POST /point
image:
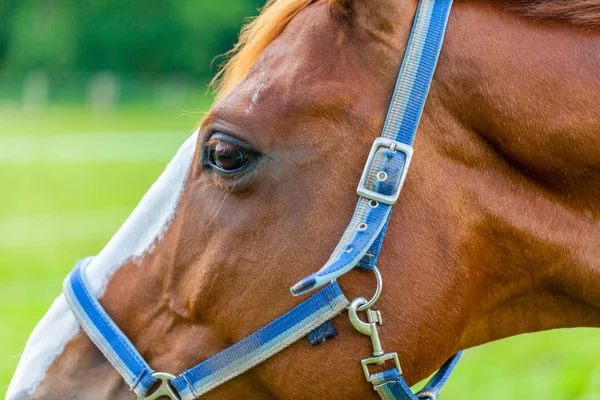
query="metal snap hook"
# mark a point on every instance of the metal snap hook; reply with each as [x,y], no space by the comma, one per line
[369,328]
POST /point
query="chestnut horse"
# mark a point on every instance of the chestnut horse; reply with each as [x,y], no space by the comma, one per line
[497,231]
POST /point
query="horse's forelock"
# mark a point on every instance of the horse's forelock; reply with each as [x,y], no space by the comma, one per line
[254,39]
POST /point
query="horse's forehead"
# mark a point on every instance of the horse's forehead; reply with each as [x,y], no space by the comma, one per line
[300,62]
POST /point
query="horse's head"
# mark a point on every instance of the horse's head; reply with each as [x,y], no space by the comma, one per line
[259,196]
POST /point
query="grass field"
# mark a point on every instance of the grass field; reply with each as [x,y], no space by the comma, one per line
[56,208]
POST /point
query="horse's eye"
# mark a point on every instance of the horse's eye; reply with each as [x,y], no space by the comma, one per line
[226,156]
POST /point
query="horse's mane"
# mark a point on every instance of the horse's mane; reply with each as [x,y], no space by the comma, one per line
[276,14]
[579,12]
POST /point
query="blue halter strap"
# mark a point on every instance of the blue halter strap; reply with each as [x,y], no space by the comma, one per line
[305,318]
[379,188]
[389,159]
[222,367]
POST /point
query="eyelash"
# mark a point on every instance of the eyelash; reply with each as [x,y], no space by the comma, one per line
[226,155]
[212,143]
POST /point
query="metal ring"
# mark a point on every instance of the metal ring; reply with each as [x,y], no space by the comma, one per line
[370,303]
[377,294]
[165,389]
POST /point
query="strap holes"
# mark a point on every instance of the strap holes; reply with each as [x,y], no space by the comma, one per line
[373,204]
[349,249]
[362,227]
[382,176]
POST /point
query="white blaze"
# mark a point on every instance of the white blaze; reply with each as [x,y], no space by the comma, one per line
[255,96]
[144,227]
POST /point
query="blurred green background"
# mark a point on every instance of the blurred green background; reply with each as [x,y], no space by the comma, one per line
[95,98]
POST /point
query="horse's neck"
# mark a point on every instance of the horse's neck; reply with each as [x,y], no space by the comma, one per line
[528,210]
[530,254]
[529,92]
[537,257]
[518,136]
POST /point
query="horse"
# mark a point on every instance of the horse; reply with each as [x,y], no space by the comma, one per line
[495,234]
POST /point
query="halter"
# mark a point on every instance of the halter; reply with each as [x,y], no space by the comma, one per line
[378,190]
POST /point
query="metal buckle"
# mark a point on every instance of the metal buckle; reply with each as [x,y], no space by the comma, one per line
[379,361]
[165,389]
[427,395]
[393,145]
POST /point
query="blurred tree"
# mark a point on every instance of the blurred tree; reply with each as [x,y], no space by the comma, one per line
[6,13]
[41,36]
[153,37]
[210,30]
